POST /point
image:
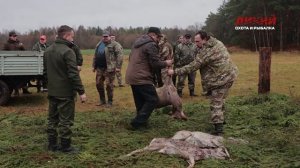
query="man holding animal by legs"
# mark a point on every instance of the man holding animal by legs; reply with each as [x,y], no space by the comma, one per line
[217,74]
[143,59]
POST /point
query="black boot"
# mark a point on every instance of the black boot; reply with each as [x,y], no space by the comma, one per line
[192,93]
[66,146]
[52,144]
[179,93]
[109,104]
[102,98]
[218,129]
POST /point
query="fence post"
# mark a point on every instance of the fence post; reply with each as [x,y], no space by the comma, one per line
[264,69]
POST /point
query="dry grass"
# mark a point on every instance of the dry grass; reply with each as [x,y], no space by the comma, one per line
[284,79]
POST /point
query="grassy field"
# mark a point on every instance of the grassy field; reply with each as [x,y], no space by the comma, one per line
[270,123]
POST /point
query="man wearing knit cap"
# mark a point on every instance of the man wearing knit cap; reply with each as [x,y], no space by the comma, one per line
[143,59]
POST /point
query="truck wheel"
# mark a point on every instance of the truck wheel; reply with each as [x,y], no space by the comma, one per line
[4,93]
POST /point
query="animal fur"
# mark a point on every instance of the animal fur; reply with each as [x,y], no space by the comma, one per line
[191,146]
[168,95]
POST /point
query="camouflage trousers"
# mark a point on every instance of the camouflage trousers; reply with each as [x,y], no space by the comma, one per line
[119,77]
[217,102]
[191,81]
[60,116]
[108,77]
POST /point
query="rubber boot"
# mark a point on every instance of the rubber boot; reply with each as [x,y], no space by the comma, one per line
[66,146]
[102,98]
[109,102]
[52,144]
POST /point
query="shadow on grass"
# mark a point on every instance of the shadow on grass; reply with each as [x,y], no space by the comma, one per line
[33,99]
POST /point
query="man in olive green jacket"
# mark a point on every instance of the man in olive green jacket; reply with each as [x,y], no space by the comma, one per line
[60,68]
[107,61]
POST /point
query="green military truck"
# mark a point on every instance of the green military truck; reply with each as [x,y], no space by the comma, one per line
[18,68]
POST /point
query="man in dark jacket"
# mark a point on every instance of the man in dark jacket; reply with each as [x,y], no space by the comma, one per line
[13,44]
[63,82]
[143,59]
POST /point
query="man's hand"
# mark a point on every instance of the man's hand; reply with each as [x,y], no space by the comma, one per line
[83,98]
[118,70]
[79,68]
[169,62]
[94,70]
[170,72]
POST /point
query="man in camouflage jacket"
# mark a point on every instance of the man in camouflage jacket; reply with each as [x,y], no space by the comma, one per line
[185,53]
[217,74]
[118,73]
[41,45]
[175,46]
[165,53]
[107,61]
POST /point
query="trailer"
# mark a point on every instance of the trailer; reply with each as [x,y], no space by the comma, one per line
[18,69]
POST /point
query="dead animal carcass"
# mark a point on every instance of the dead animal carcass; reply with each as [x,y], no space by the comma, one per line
[168,95]
[191,146]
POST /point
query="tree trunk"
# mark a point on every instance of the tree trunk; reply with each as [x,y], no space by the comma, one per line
[264,69]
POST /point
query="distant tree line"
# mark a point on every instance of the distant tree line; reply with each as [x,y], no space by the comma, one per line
[88,37]
[287,29]
[221,24]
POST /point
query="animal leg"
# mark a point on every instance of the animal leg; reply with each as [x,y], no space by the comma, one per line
[137,151]
[191,162]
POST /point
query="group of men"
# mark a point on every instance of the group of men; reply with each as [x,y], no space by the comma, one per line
[206,54]
[151,56]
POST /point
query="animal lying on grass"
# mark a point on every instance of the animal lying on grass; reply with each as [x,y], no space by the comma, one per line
[191,146]
[168,95]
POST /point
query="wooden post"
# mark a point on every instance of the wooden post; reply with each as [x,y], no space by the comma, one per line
[264,69]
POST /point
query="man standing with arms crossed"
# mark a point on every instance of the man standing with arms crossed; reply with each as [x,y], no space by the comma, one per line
[63,78]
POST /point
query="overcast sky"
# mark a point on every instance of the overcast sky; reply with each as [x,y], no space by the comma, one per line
[24,15]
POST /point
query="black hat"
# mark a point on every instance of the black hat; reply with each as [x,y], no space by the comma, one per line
[12,33]
[187,36]
[154,30]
